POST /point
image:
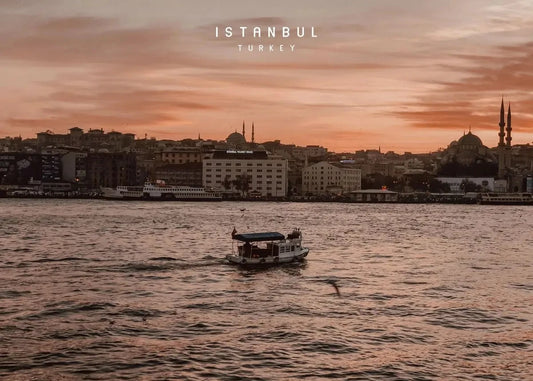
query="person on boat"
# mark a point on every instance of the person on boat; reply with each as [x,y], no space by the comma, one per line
[247,249]
[233,232]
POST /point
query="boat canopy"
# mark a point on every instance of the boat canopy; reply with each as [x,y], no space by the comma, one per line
[256,237]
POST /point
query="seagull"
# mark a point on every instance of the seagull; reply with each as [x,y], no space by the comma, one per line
[335,286]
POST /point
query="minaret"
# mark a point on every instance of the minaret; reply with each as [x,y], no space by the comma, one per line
[508,138]
[502,125]
[244,136]
[501,144]
[252,132]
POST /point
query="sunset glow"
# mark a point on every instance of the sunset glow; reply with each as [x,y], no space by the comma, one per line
[405,76]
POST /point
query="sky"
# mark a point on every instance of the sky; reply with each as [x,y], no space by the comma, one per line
[409,75]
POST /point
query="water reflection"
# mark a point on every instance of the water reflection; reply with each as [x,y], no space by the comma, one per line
[94,289]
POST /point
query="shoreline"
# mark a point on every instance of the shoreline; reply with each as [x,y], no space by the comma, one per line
[408,198]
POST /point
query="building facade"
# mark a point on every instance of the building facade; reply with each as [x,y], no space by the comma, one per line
[247,172]
[181,155]
[330,178]
[111,170]
[189,174]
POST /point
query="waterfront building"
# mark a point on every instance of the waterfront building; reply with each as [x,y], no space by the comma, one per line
[373,195]
[19,168]
[330,178]
[106,169]
[74,167]
[189,174]
[246,172]
[457,183]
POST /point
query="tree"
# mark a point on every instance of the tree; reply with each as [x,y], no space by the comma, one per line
[227,183]
[469,186]
[242,183]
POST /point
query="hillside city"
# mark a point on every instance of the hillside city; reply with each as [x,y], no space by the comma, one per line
[80,162]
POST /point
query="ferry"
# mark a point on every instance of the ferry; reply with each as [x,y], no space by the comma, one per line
[160,191]
[267,248]
[506,199]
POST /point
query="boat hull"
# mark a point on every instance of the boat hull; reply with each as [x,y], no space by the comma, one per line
[128,195]
[268,260]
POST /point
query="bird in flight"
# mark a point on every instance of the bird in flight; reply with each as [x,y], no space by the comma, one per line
[335,286]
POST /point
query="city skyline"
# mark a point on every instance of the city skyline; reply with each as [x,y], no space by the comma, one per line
[403,77]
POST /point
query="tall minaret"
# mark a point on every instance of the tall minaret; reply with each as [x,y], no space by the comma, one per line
[252,132]
[508,138]
[501,144]
[244,136]
[502,125]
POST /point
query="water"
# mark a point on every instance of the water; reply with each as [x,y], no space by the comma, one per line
[139,290]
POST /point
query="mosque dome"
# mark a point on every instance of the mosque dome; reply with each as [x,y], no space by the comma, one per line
[470,140]
[236,139]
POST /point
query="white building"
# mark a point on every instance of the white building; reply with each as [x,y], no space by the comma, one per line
[324,177]
[265,175]
[486,183]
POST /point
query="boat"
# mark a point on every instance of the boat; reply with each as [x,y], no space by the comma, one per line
[267,248]
[506,199]
[160,191]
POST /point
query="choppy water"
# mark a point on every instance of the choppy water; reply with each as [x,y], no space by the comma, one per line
[132,290]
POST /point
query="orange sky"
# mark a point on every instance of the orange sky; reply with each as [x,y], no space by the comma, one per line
[406,76]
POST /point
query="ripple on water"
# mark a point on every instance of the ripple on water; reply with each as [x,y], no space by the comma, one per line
[103,290]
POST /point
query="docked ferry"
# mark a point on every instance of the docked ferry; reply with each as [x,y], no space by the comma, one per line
[268,248]
[506,199]
[160,191]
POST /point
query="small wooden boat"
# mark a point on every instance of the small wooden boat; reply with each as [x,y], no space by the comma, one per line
[267,248]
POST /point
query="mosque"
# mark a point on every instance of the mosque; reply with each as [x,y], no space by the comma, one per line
[238,141]
[468,155]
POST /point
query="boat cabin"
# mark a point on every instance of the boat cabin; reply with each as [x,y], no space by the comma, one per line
[262,245]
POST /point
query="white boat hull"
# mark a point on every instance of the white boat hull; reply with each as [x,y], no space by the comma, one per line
[165,193]
[268,260]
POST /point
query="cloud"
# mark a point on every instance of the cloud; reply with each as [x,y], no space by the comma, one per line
[474,99]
